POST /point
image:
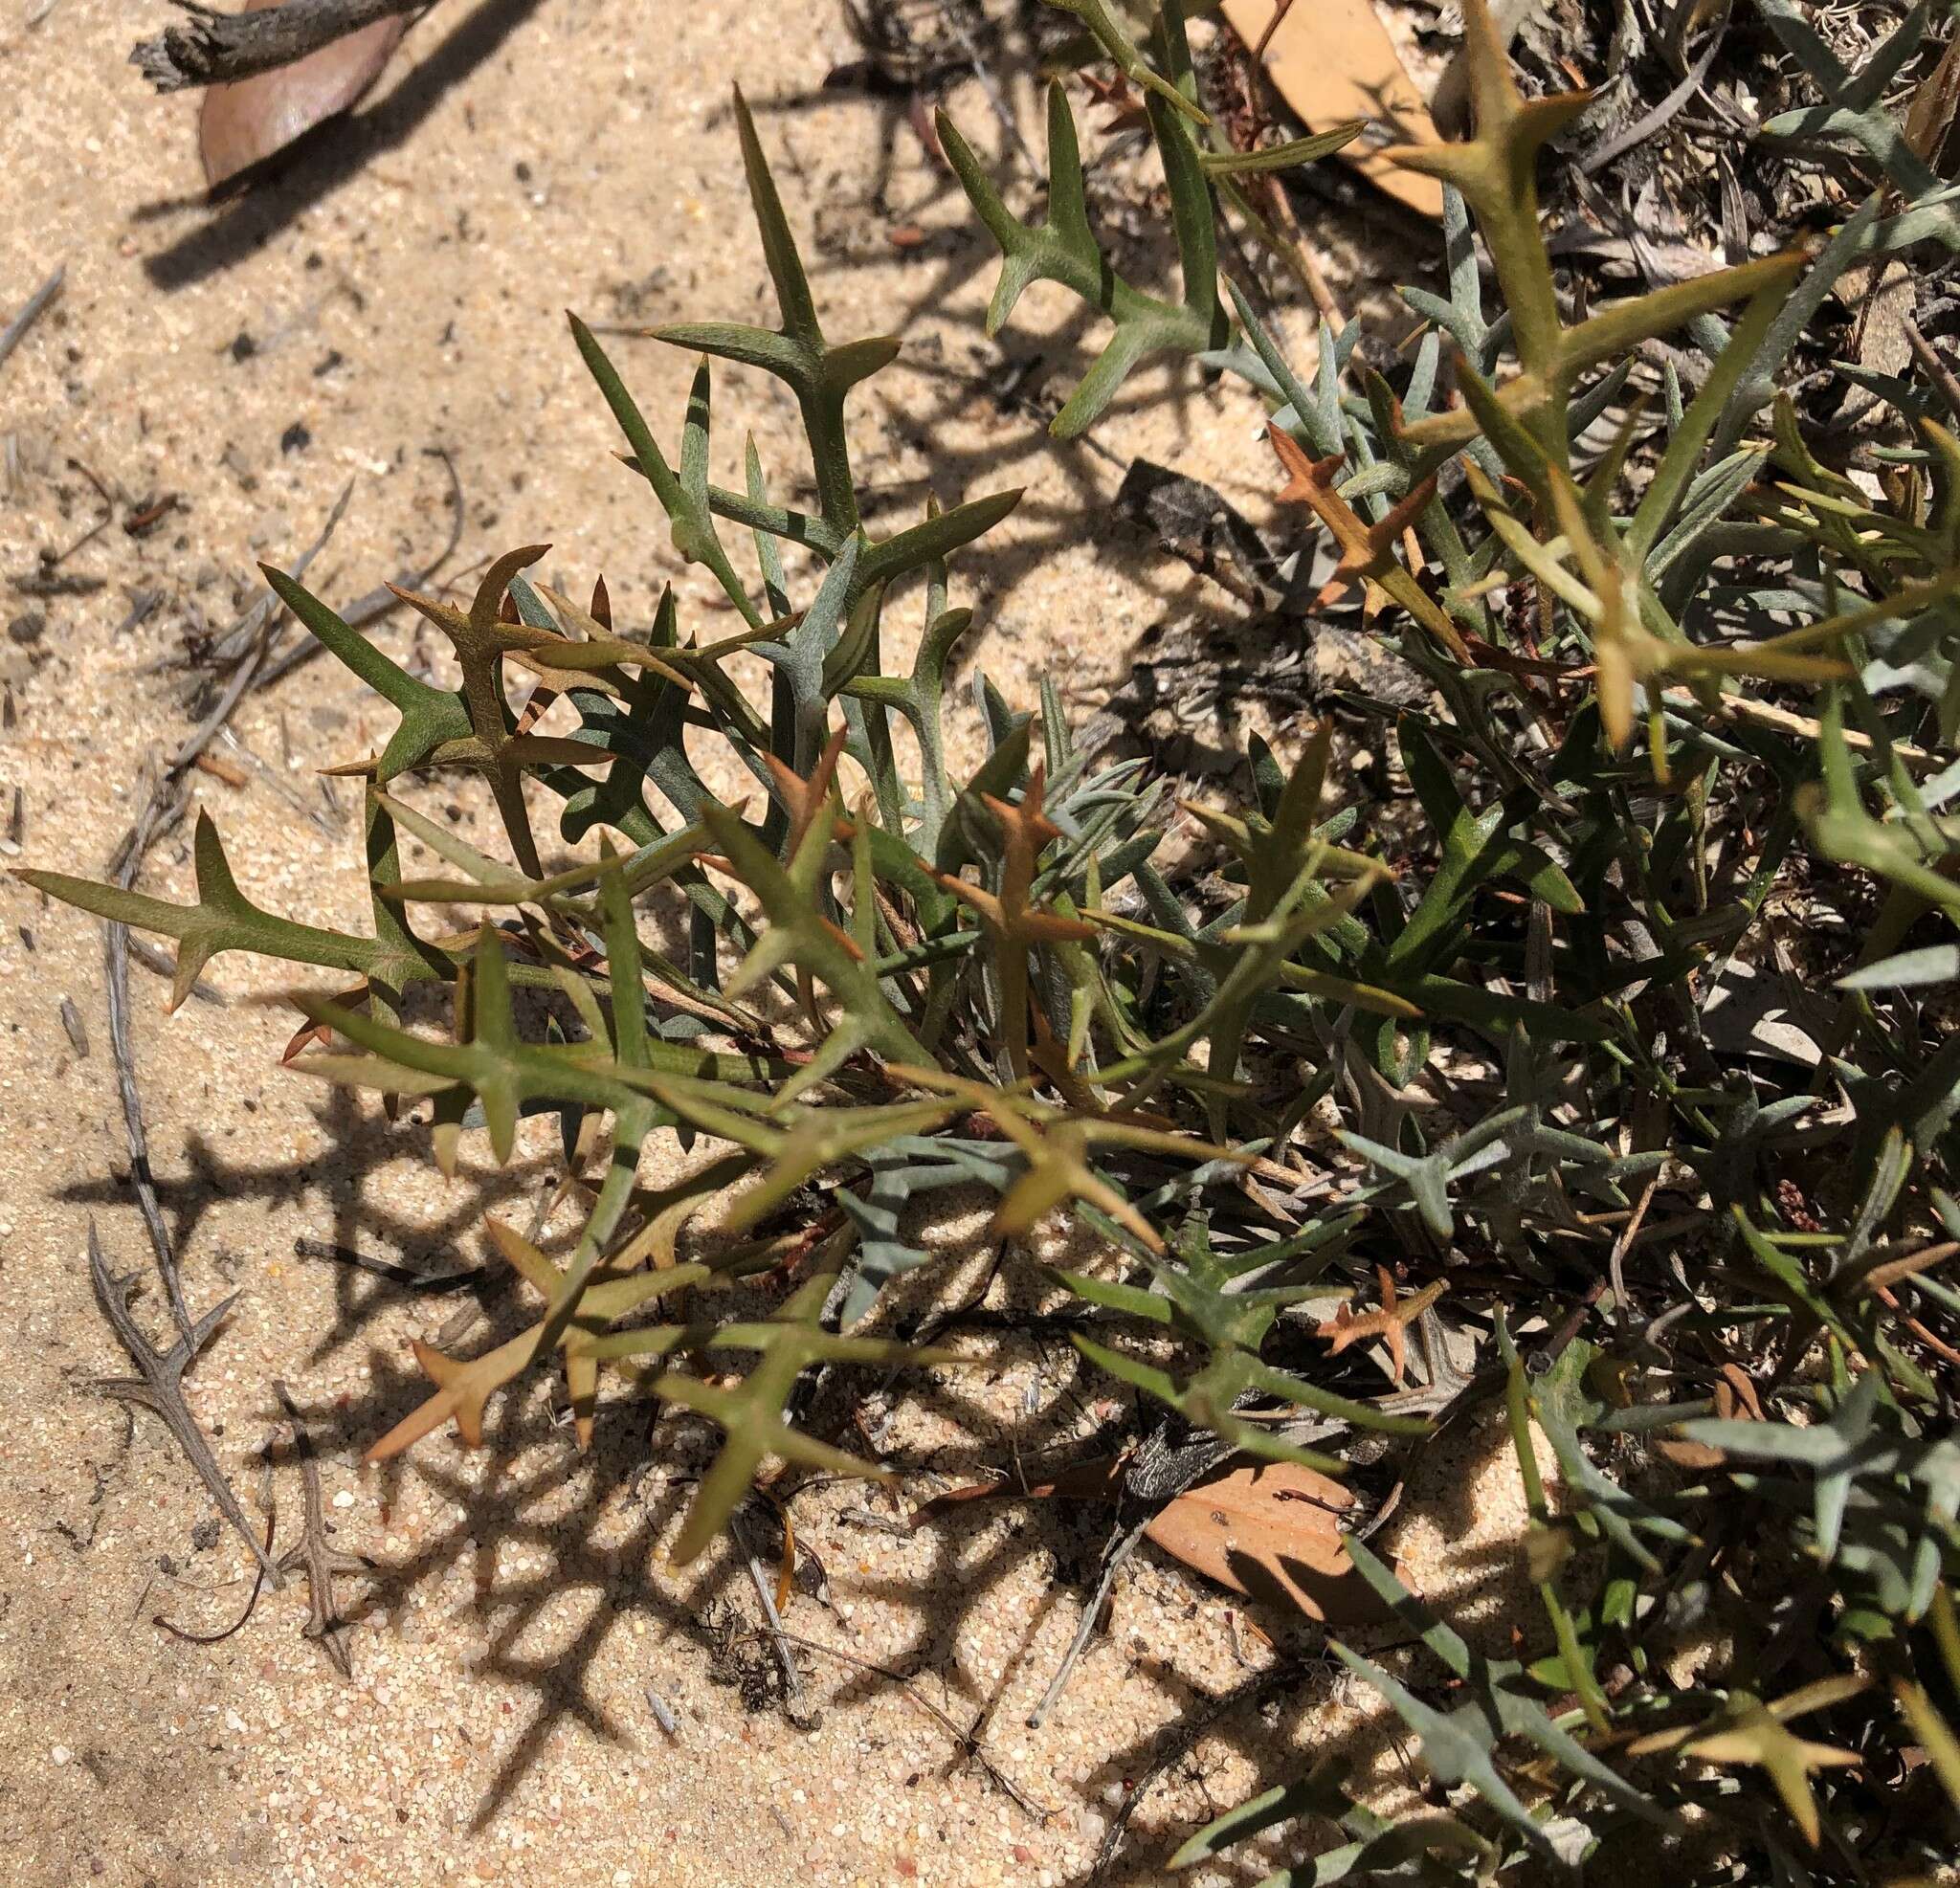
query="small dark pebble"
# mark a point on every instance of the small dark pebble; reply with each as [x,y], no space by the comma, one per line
[28,628]
[295,438]
[204,1537]
[333,359]
[243,347]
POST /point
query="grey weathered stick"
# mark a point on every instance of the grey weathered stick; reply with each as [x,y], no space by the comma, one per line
[1119,1547]
[378,602]
[799,1714]
[989,85]
[969,1740]
[163,806]
[315,1556]
[239,1624]
[237,640]
[213,48]
[159,1389]
[246,673]
[1180,1738]
[36,306]
[162,810]
[1933,366]
[1649,123]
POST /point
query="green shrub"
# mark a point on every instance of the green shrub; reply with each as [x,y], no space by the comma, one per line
[1677,690]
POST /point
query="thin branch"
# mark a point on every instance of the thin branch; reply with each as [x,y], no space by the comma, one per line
[315,1556]
[1122,1544]
[215,48]
[162,810]
[1177,1742]
[38,304]
[378,602]
[1935,370]
[968,1741]
[1649,123]
[799,1712]
[239,1624]
[159,1389]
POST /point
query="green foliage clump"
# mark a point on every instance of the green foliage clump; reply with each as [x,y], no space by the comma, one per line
[1676,688]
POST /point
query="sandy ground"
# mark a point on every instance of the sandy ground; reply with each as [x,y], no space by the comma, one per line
[395,293]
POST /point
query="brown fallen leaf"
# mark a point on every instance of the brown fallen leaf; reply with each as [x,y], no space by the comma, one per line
[241,123]
[1271,1531]
[1929,122]
[1883,294]
[1333,61]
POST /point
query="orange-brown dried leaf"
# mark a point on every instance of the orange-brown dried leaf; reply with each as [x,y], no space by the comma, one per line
[1271,1531]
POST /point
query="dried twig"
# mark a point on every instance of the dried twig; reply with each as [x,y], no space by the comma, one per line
[159,1389]
[1177,1742]
[237,642]
[239,1624]
[404,1276]
[247,671]
[162,810]
[378,602]
[1934,367]
[36,305]
[314,1556]
[990,86]
[1118,1548]
[215,48]
[968,1739]
[1649,123]
[799,1713]
[163,806]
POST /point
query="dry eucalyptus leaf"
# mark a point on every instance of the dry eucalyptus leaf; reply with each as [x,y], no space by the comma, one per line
[1883,297]
[1930,119]
[1273,1532]
[244,123]
[1333,61]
